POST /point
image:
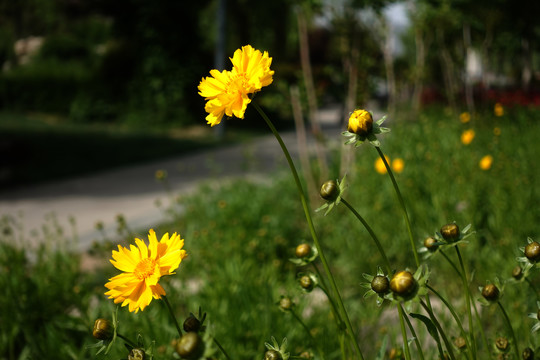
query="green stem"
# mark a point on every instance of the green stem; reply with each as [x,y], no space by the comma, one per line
[440,329]
[313,340]
[131,343]
[370,231]
[533,287]
[468,300]
[221,348]
[451,263]
[416,340]
[484,338]
[510,329]
[402,203]
[312,228]
[171,312]
[404,332]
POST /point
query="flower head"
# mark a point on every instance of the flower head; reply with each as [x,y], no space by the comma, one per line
[142,268]
[485,162]
[379,165]
[498,110]
[465,117]
[361,127]
[228,93]
[360,122]
[467,136]
[397,165]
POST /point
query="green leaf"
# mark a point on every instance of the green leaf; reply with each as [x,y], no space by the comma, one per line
[429,325]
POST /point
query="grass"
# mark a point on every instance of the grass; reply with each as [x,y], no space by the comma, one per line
[240,238]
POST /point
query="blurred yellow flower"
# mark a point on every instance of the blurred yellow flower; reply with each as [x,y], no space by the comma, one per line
[485,162]
[497,131]
[498,109]
[379,165]
[467,136]
[360,122]
[142,268]
[397,165]
[465,117]
[228,92]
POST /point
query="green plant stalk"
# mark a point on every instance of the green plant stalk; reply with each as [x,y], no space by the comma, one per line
[171,312]
[416,340]
[510,329]
[440,329]
[404,332]
[533,287]
[454,314]
[468,300]
[370,231]
[131,343]
[335,311]
[312,228]
[221,348]
[401,203]
[313,340]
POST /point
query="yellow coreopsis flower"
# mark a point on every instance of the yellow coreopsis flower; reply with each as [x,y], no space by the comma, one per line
[397,165]
[485,162]
[229,92]
[142,268]
[465,117]
[379,165]
[467,136]
[360,122]
[498,109]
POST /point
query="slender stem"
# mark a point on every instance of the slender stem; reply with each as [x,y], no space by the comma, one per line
[509,324]
[451,262]
[404,332]
[171,312]
[440,329]
[312,229]
[131,343]
[370,231]
[313,340]
[221,348]
[413,333]
[533,287]
[468,300]
[484,338]
[402,203]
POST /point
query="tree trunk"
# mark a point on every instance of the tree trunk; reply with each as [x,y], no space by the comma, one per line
[420,69]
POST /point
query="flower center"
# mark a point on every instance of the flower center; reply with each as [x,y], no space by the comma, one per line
[145,268]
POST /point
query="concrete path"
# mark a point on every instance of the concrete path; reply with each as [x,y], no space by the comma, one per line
[133,191]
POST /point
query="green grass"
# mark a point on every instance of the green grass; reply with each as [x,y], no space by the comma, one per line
[240,237]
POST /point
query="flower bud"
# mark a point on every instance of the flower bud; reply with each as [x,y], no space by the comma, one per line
[517,272]
[302,251]
[460,343]
[490,292]
[286,303]
[450,232]
[380,284]
[190,346]
[330,190]
[403,283]
[306,282]
[136,354]
[360,122]
[502,344]
[430,244]
[528,354]
[272,355]
[191,324]
[102,329]
[396,354]
[532,251]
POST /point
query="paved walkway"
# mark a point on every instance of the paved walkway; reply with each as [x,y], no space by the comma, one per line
[133,191]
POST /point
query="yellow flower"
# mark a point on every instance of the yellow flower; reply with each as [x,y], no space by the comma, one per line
[379,165]
[228,92]
[498,109]
[398,165]
[465,117]
[360,122]
[485,162]
[467,136]
[142,268]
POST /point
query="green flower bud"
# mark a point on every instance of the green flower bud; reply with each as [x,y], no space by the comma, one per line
[330,190]
[380,284]
[403,283]
[302,251]
[502,344]
[136,354]
[306,282]
[528,354]
[191,324]
[102,329]
[490,292]
[272,355]
[190,346]
[450,232]
[460,343]
[286,303]
[517,272]
[430,244]
[532,251]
